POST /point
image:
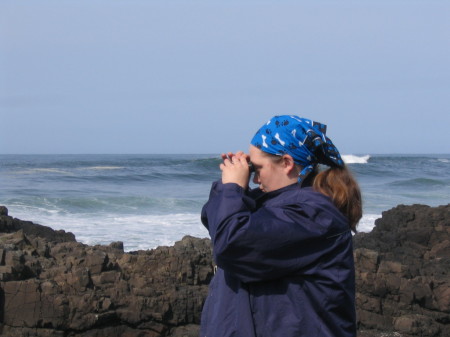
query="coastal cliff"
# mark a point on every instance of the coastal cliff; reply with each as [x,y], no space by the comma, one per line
[53,286]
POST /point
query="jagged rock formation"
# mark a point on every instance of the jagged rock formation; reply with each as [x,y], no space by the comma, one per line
[53,286]
[403,272]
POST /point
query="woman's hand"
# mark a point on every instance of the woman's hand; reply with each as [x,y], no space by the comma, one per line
[235,168]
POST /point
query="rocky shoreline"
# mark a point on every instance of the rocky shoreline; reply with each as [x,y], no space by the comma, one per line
[53,286]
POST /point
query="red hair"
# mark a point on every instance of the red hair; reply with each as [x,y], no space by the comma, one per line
[339,184]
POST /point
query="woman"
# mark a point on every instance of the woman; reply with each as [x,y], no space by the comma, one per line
[283,250]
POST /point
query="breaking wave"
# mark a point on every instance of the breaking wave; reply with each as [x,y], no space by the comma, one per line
[352,159]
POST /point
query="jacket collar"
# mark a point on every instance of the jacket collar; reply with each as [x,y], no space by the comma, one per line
[261,196]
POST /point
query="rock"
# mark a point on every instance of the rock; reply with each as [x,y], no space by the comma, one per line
[53,286]
[3,210]
[117,245]
[403,272]
[10,225]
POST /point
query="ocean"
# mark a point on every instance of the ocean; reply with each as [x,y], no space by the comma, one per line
[153,200]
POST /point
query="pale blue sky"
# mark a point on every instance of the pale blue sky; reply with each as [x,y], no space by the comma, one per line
[161,76]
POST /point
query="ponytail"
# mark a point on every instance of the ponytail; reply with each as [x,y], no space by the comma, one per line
[338,183]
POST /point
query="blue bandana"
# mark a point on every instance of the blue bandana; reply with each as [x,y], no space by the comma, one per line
[303,139]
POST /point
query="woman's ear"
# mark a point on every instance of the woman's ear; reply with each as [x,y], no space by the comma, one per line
[288,162]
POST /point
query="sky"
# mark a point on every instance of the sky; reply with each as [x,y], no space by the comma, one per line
[162,76]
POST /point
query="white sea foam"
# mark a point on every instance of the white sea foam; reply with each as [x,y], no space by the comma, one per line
[367,222]
[352,159]
[43,170]
[137,232]
[103,168]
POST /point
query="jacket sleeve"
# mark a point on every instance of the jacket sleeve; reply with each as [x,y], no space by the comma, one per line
[264,243]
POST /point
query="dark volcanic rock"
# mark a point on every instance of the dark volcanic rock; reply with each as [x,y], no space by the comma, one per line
[403,272]
[53,286]
[12,225]
[3,210]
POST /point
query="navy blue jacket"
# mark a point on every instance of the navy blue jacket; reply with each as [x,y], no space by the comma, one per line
[285,265]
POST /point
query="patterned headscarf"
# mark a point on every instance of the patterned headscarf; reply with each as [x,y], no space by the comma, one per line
[303,139]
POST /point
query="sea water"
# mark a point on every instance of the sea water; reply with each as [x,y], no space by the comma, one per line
[152,200]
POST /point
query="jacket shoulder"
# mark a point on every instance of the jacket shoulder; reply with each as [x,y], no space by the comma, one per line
[314,205]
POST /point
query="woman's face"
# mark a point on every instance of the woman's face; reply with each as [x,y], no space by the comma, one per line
[269,175]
